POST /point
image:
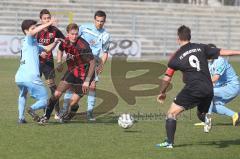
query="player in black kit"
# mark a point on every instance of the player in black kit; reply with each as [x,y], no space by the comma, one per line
[191,60]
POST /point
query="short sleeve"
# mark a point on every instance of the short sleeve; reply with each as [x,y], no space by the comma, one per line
[173,63]
[220,66]
[106,42]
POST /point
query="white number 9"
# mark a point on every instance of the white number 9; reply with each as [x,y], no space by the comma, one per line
[194,62]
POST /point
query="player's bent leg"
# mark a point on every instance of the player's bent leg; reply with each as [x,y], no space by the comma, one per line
[38,92]
[171,125]
[73,102]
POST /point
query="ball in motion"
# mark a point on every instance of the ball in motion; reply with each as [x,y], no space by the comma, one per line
[125,121]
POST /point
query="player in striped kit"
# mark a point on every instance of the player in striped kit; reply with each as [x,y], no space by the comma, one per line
[46,37]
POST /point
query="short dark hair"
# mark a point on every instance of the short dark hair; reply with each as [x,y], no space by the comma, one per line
[26,24]
[44,11]
[100,13]
[184,33]
[72,26]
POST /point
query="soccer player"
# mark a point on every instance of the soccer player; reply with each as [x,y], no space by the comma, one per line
[46,37]
[81,64]
[192,60]
[99,40]
[226,88]
[27,77]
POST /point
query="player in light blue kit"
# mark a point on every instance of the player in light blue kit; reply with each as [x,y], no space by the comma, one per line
[27,77]
[99,40]
[226,88]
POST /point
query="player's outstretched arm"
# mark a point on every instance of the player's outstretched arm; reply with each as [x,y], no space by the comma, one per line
[50,47]
[224,52]
[53,21]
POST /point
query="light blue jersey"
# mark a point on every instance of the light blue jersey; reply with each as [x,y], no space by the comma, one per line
[98,40]
[29,63]
[28,78]
[226,88]
[221,67]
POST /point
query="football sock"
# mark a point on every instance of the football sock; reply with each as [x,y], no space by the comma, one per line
[91,100]
[21,106]
[170,129]
[53,89]
[67,97]
[51,103]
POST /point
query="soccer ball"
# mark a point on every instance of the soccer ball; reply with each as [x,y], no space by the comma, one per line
[125,121]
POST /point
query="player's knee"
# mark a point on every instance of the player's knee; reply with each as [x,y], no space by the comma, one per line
[171,116]
[92,88]
[44,102]
[57,94]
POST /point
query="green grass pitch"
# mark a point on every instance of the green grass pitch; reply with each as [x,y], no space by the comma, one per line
[105,139]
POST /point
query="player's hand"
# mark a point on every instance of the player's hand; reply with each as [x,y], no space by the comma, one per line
[59,67]
[43,55]
[56,40]
[54,21]
[85,87]
[161,97]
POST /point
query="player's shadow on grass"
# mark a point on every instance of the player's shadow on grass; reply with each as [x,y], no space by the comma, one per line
[217,144]
[224,124]
[221,144]
[109,118]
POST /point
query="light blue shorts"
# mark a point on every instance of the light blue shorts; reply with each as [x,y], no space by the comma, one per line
[36,90]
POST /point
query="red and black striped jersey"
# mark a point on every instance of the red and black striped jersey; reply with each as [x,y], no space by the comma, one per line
[79,55]
[46,38]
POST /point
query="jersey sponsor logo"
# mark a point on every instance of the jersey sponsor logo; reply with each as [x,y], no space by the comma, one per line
[44,41]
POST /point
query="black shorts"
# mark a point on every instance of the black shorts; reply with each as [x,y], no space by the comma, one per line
[47,69]
[189,99]
[73,83]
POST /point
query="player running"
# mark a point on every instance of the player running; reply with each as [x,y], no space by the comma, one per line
[192,60]
[81,64]
[99,41]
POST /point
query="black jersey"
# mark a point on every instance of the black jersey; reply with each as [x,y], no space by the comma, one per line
[192,60]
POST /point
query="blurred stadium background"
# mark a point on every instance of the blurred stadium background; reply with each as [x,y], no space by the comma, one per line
[139,28]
